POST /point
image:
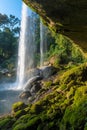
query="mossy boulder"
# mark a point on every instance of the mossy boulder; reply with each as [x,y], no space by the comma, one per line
[75,115]
[19,113]
[31,123]
[25,95]
[76,75]
[6,123]
[18,106]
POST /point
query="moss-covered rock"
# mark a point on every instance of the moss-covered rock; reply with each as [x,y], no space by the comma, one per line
[47,84]
[32,124]
[75,115]
[6,123]
[18,106]
[76,75]
[62,108]
[19,113]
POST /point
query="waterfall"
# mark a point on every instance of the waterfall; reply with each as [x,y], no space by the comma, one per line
[27,51]
[43,42]
[21,49]
[27,47]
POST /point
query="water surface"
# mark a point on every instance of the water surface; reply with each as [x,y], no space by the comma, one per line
[7,98]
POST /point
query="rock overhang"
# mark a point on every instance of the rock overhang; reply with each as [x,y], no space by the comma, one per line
[64,16]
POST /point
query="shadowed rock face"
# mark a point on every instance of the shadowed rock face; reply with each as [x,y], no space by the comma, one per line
[68,17]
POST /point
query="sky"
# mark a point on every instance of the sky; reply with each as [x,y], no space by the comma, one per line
[11,7]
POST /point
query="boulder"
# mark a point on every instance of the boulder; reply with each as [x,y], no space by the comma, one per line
[33,85]
[48,71]
[36,87]
[32,73]
[31,99]
[25,95]
[31,82]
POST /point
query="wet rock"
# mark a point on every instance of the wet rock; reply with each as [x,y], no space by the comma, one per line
[31,87]
[47,71]
[34,84]
[36,87]
[25,95]
[31,82]
[31,99]
[32,73]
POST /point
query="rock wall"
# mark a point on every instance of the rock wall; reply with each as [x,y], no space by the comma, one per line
[64,16]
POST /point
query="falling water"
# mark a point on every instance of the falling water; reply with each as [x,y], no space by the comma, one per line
[27,47]
[21,51]
[43,42]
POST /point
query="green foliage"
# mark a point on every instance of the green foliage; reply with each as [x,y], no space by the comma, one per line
[65,51]
[9,33]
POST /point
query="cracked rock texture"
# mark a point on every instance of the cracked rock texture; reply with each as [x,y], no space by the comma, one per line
[68,17]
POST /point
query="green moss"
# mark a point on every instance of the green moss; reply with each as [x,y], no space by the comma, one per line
[47,84]
[23,119]
[31,124]
[80,95]
[64,108]
[62,87]
[36,108]
[20,126]
[6,123]
[85,127]
[18,106]
[71,93]
[74,117]
[19,113]
[77,74]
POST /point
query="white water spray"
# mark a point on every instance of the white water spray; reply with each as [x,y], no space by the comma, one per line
[21,51]
[43,43]
[27,48]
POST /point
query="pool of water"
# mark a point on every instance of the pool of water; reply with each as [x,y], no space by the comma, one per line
[7,98]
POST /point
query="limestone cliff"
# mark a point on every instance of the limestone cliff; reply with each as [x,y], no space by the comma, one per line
[64,16]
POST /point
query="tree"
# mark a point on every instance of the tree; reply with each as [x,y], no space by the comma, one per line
[3,21]
[9,34]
